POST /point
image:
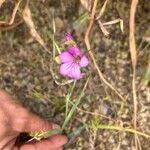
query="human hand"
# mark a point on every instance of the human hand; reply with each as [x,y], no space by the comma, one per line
[15,119]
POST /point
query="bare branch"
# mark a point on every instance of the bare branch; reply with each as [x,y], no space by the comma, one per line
[29,22]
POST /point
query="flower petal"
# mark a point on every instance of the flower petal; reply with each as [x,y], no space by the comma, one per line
[84,61]
[75,72]
[68,37]
[75,51]
[65,57]
[66,68]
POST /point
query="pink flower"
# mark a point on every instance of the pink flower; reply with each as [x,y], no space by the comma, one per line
[72,61]
[68,37]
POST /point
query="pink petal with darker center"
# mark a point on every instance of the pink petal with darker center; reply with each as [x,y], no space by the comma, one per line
[75,51]
[65,57]
[66,68]
[75,72]
[84,61]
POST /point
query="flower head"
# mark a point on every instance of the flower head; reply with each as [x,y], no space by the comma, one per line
[68,37]
[72,61]
[69,40]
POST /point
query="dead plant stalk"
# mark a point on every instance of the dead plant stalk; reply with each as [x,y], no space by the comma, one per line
[88,46]
[132,46]
[1,2]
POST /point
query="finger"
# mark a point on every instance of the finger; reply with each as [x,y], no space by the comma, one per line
[28,122]
[60,148]
[54,142]
[19,118]
[15,148]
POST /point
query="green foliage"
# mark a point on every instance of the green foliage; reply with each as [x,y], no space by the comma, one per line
[94,124]
[147,76]
[68,116]
[146,79]
[56,46]
[37,95]
[41,134]
[82,21]
[83,18]
[59,103]
[74,107]
[68,96]
[70,43]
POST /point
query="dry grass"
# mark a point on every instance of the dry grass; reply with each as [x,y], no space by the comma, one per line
[133,53]
[12,18]
[28,20]
[1,2]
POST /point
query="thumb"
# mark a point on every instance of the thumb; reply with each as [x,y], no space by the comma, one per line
[28,122]
[20,119]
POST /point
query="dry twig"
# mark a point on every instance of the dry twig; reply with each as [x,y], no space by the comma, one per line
[87,5]
[10,27]
[120,21]
[102,28]
[133,53]
[11,21]
[91,54]
[132,45]
[14,12]
[101,12]
[29,22]
[146,38]
[1,2]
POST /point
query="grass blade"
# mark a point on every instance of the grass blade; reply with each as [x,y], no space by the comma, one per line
[73,109]
[68,98]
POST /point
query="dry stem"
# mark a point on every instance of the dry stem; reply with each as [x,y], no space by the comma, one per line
[11,21]
[133,52]
[132,46]
[91,54]
[1,2]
